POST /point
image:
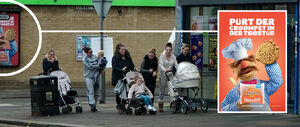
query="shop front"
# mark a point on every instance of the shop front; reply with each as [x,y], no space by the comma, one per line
[202,15]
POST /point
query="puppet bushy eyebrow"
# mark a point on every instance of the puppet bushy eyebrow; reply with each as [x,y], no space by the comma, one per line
[237,63]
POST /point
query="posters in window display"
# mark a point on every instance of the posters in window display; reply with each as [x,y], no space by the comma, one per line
[212,23]
[197,50]
[197,23]
[213,52]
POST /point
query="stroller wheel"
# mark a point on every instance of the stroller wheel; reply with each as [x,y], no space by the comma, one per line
[64,110]
[129,111]
[183,107]
[194,109]
[204,106]
[143,110]
[137,111]
[69,109]
[152,112]
[78,109]
[173,107]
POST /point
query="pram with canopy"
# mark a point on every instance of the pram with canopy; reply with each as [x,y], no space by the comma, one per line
[186,86]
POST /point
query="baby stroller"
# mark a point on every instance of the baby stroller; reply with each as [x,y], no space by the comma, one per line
[187,78]
[136,103]
[67,95]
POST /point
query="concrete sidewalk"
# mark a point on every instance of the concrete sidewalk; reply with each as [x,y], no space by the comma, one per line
[25,93]
[16,109]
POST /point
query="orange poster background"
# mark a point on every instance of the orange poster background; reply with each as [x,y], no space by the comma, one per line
[277,101]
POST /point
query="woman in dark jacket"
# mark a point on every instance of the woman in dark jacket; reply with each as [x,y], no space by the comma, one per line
[148,69]
[121,64]
[50,62]
[184,56]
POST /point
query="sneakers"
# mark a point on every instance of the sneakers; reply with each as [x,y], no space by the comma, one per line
[153,109]
[149,107]
[94,109]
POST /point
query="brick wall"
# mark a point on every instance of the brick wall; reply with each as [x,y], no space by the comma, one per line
[68,18]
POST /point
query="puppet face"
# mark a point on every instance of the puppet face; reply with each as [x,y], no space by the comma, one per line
[245,69]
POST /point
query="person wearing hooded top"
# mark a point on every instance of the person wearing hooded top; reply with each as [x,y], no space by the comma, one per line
[121,64]
[167,61]
[91,70]
[149,70]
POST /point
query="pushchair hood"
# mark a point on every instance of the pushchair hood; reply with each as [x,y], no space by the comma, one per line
[63,81]
[187,75]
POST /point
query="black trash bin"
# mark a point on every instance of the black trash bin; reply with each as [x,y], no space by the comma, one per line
[44,95]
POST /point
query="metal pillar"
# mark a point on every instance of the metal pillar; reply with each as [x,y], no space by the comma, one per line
[102,86]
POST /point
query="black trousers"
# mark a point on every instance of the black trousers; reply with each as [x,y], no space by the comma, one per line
[118,99]
[151,84]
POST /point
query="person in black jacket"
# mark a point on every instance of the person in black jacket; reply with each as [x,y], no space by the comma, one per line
[149,70]
[121,64]
[184,56]
[50,62]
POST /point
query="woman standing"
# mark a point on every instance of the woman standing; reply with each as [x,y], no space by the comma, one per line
[148,69]
[91,70]
[167,61]
[50,62]
[184,56]
[121,64]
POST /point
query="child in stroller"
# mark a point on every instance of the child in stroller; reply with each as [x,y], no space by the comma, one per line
[142,96]
[67,95]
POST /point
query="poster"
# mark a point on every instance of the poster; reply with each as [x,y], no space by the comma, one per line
[93,41]
[212,23]
[83,41]
[197,23]
[9,39]
[197,50]
[252,62]
[213,54]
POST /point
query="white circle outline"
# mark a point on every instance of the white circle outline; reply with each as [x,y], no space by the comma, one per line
[40,40]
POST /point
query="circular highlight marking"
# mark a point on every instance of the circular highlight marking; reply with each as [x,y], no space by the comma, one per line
[40,39]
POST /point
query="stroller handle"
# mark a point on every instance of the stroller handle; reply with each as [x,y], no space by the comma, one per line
[166,72]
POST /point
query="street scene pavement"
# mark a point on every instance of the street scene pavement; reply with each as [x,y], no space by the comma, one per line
[16,112]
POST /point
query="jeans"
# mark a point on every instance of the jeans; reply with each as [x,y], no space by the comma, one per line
[147,99]
[92,90]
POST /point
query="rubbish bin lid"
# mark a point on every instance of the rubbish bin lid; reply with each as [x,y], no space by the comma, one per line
[42,77]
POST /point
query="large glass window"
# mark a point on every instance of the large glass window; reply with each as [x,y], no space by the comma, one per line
[205,18]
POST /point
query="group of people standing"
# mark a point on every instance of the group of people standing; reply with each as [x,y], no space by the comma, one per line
[121,64]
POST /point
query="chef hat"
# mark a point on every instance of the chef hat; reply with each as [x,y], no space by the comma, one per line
[237,50]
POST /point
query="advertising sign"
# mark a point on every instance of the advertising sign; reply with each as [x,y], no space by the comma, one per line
[9,39]
[197,50]
[197,23]
[252,62]
[212,56]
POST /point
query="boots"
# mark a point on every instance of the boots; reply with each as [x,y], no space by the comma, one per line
[160,106]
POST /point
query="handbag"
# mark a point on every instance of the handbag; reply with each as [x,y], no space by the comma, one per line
[119,87]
